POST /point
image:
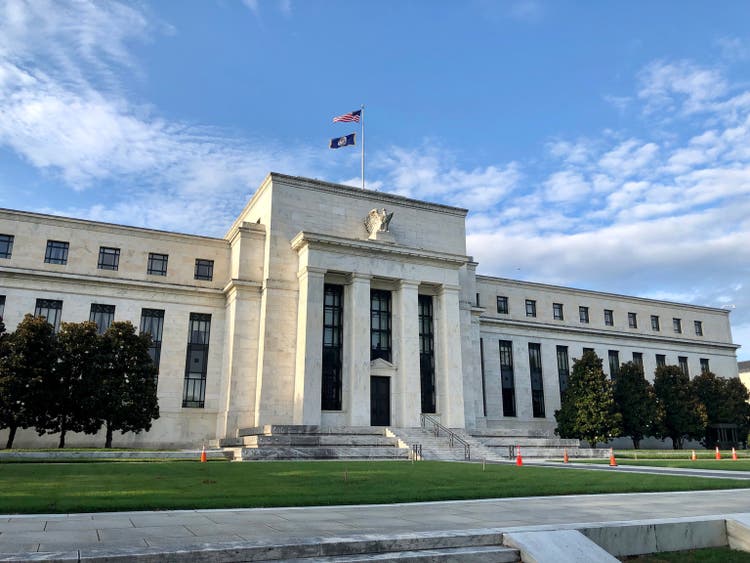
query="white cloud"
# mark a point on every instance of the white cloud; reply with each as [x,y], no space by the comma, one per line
[680,85]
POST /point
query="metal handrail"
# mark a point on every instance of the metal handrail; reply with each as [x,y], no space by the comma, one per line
[452,436]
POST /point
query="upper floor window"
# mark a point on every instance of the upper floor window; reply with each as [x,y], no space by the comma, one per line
[204,269]
[609,317]
[51,310]
[677,325]
[655,322]
[698,328]
[704,365]
[157,264]
[6,246]
[530,308]
[632,320]
[380,324]
[109,258]
[102,315]
[557,311]
[583,314]
[502,304]
[57,252]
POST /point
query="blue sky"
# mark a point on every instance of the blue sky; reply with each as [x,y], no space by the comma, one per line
[600,145]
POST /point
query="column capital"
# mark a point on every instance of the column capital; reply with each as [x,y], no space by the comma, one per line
[311,271]
[407,284]
[357,277]
[448,288]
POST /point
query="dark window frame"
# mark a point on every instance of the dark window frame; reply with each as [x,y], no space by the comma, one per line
[333,348]
[558,312]
[682,361]
[2,306]
[56,252]
[6,246]
[537,380]
[583,314]
[204,269]
[157,264]
[655,323]
[638,359]
[49,305]
[609,317]
[199,336]
[563,368]
[613,357]
[502,305]
[698,326]
[427,354]
[677,325]
[103,315]
[632,320]
[531,307]
[381,325]
[109,258]
[661,360]
[152,323]
[507,378]
[705,365]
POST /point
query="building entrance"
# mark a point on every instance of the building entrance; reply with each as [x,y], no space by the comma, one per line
[380,401]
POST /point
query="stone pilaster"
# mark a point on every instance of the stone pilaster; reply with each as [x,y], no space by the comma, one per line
[357,349]
[449,376]
[407,397]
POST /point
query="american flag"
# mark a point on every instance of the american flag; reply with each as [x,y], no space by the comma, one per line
[353,116]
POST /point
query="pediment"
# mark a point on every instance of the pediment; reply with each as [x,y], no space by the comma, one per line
[380,363]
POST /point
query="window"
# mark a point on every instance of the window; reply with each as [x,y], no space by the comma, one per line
[632,320]
[502,304]
[683,363]
[57,252]
[204,269]
[661,360]
[557,311]
[51,310]
[677,325]
[157,264]
[614,363]
[109,258]
[698,328]
[530,308]
[2,306]
[380,324]
[152,322]
[589,350]
[333,337]
[655,323]
[537,382]
[563,368]
[477,302]
[583,314]
[704,365]
[102,315]
[426,354]
[609,317]
[638,359]
[507,378]
[484,386]
[6,246]
[196,364]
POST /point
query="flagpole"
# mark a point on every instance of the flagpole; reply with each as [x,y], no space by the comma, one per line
[362,134]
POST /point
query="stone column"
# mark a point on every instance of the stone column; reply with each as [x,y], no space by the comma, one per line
[357,350]
[407,389]
[449,376]
[309,360]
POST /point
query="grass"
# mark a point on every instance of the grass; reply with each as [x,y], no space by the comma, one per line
[712,464]
[707,555]
[677,454]
[92,487]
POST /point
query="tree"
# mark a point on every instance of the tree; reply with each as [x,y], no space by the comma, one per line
[27,357]
[726,403]
[636,402]
[588,411]
[129,402]
[682,415]
[70,398]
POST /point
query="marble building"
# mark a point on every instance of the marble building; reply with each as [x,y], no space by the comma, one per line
[330,305]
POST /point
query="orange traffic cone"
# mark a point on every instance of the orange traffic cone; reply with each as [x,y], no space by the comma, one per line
[612,462]
[693,457]
[203,454]
[565,455]
[519,459]
[718,453]
[734,454]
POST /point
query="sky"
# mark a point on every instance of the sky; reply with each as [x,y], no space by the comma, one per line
[599,145]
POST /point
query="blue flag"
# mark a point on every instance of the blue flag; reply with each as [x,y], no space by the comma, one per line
[339,142]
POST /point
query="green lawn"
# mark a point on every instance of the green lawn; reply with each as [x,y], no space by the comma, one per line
[84,487]
[677,454]
[720,465]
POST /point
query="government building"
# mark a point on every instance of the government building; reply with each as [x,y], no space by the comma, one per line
[334,306]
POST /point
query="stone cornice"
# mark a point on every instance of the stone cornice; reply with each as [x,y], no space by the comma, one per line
[237,285]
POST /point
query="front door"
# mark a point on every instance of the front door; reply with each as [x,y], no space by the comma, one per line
[380,401]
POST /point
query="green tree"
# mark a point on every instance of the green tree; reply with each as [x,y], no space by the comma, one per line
[725,401]
[682,416]
[71,394]
[129,402]
[28,357]
[636,402]
[588,411]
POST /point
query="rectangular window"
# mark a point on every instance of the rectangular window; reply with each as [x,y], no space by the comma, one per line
[677,325]
[589,350]
[583,314]
[661,360]
[530,308]
[204,269]
[557,311]
[484,387]
[704,365]
[502,305]
[537,381]
[427,354]
[477,303]
[638,359]
[333,346]
[563,368]
[152,322]
[6,246]
[609,317]
[380,324]
[109,258]
[655,323]
[196,364]
[698,328]
[682,361]
[57,252]
[102,315]
[2,306]
[157,264]
[507,378]
[632,320]
[51,310]
[614,364]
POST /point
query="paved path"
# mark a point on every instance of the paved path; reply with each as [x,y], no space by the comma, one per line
[182,529]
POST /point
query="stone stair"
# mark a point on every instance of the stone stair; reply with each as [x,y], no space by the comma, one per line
[271,442]
[438,447]
[546,447]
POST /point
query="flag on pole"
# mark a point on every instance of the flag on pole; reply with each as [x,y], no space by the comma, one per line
[339,142]
[348,117]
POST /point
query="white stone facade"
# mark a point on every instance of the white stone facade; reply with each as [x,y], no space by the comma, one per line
[266,359]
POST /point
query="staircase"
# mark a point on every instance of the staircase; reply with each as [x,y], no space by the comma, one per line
[439,448]
[504,446]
